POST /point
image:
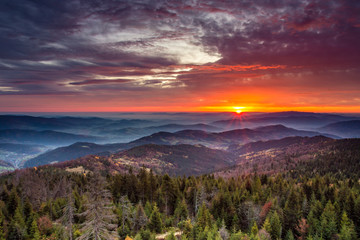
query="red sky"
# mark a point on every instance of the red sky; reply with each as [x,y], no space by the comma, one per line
[76,56]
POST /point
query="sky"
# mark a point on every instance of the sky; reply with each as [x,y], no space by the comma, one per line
[178,56]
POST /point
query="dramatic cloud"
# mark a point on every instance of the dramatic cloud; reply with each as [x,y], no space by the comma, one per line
[117,55]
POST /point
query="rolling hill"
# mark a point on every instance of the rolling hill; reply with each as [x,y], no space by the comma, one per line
[223,139]
[46,137]
[287,154]
[346,129]
[304,120]
[73,151]
[175,160]
[17,154]
[220,140]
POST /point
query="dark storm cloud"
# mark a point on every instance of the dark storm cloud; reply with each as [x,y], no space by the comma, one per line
[300,33]
[84,46]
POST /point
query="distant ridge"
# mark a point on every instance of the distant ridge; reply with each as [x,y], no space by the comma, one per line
[46,137]
[347,129]
[220,140]
[73,151]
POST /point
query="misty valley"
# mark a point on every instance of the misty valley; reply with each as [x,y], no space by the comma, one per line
[263,176]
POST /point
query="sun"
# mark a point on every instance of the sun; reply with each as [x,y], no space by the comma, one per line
[238,110]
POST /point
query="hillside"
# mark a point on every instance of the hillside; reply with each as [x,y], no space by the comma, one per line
[176,159]
[222,140]
[47,137]
[21,148]
[303,154]
[16,154]
[346,129]
[47,123]
[73,151]
[5,166]
[65,123]
[162,128]
[340,158]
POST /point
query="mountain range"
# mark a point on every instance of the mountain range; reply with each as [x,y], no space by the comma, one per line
[33,144]
[220,140]
[288,155]
[345,129]
[46,137]
[290,119]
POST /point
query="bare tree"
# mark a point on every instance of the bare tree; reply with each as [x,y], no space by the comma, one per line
[99,214]
[68,211]
[125,211]
[200,197]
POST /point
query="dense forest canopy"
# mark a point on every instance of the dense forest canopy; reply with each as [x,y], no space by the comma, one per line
[52,203]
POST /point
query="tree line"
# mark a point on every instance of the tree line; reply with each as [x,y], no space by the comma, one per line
[51,203]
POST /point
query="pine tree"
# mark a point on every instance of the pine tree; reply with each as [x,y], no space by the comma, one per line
[276,228]
[254,230]
[181,211]
[204,217]
[347,231]
[267,225]
[328,222]
[13,202]
[169,191]
[289,235]
[2,234]
[292,211]
[155,223]
[314,223]
[17,228]
[34,232]
[99,213]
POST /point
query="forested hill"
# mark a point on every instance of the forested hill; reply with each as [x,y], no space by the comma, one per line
[299,154]
[175,160]
[53,203]
[296,155]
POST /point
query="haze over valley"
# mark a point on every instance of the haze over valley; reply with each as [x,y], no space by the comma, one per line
[33,141]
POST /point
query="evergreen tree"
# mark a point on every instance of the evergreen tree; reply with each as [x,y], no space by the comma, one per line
[13,202]
[155,224]
[254,229]
[276,228]
[292,211]
[328,222]
[289,235]
[17,228]
[2,234]
[181,211]
[34,232]
[347,231]
[169,191]
[204,217]
[267,225]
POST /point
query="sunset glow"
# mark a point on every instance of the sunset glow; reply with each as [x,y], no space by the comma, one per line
[180,56]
